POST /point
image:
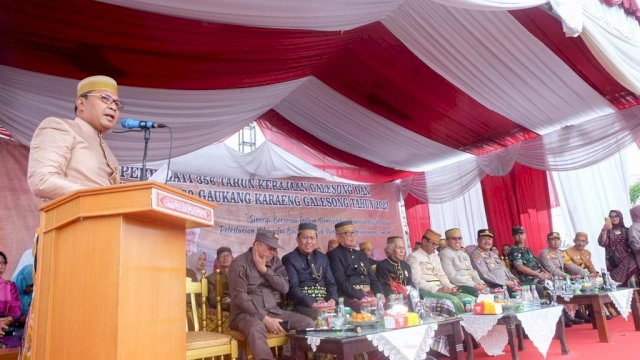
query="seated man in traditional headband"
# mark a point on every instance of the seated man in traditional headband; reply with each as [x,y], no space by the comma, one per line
[394,272]
[457,264]
[351,268]
[67,155]
[367,247]
[311,281]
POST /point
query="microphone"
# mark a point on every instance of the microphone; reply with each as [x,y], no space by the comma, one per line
[137,124]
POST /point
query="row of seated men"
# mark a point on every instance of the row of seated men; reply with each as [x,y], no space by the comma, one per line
[311,278]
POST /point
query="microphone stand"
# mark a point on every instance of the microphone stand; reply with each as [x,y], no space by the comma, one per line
[147,137]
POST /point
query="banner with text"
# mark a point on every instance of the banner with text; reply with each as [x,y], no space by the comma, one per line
[245,205]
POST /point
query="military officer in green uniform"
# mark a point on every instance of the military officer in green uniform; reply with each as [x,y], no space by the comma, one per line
[528,268]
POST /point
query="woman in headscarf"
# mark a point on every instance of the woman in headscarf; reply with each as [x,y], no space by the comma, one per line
[9,298]
[24,283]
[198,263]
[614,237]
[634,242]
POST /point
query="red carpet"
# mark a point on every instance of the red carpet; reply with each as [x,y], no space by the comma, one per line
[583,344]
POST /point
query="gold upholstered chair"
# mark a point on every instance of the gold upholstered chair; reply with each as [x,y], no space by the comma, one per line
[275,341]
[202,343]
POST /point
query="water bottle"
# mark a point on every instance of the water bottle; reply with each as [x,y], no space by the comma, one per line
[379,306]
[342,314]
[400,299]
[526,298]
[392,300]
[606,280]
[535,299]
[612,285]
[506,293]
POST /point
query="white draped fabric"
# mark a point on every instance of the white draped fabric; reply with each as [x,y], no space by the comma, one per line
[203,117]
[614,39]
[445,183]
[325,15]
[586,196]
[466,213]
[569,10]
[582,145]
[491,57]
[361,132]
[267,161]
[569,148]
[492,4]
[198,118]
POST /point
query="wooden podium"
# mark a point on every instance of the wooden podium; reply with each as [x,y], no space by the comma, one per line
[110,273]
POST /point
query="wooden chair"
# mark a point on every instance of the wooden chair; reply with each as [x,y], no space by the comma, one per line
[275,341]
[202,343]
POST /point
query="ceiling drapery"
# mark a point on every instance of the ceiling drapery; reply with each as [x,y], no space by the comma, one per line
[436,93]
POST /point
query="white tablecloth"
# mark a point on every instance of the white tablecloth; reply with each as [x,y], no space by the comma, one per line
[622,300]
[402,345]
[398,344]
[540,326]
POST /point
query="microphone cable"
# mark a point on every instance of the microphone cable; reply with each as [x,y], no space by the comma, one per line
[166,179]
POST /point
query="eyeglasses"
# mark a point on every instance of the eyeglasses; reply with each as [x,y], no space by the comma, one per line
[614,216]
[108,99]
[455,238]
[307,238]
[349,233]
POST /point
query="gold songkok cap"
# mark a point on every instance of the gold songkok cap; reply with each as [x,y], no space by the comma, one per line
[452,232]
[366,245]
[432,235]
[98,82]
[344,225]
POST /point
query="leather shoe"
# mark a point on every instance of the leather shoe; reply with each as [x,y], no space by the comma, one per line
[568,320]
[609,316]
[577,321]
[568,323]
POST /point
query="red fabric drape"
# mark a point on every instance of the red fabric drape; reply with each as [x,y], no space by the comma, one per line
[290,137]
[415,96]
[144,49]
[518,198]
[575,53]
[417,218]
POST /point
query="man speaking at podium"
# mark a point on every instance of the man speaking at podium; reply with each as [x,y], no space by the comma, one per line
[67,155]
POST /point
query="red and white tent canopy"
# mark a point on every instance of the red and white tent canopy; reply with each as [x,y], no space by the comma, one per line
[370,90]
